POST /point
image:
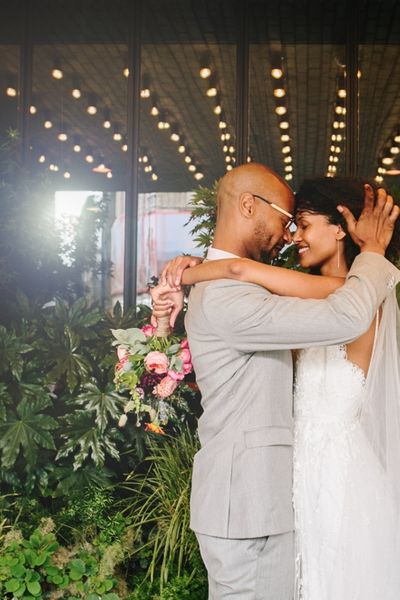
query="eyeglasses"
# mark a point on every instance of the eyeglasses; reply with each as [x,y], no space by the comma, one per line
[279,209]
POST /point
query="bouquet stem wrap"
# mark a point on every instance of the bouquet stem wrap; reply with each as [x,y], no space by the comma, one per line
[163,329]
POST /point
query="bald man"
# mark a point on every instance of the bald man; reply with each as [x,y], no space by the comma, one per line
[240,336]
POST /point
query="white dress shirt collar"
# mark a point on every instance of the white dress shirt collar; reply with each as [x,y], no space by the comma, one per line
[216,254]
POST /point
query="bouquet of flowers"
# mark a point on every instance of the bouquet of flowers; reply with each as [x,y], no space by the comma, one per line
[152,370]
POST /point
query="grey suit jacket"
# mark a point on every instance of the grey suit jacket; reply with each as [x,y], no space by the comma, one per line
[240,335]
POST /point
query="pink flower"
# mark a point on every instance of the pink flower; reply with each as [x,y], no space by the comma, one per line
[157,362]
[185,355]
[148,330]
[187,368]
[175,375]
[166,387]
[123,355]
[184,343]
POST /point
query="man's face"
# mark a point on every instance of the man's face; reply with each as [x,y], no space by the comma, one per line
[270,231]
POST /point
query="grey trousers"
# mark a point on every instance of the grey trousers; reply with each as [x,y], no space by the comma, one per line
[249,569]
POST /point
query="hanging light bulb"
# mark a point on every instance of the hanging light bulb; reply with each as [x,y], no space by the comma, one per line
[33,109]
[109,175]
[281,110]
[42,158]
[181,149]
[217,109]
[57,73]
[11,92]
[91,109]
[279,93]
[285,137]
[77,148]
[124,148]
[276,73]
[175,137]
[62,136]
[205,72]
[284,125]
[154,111]
[67,175]
[288,177]
[89,158]
[211,92]
[76,93]
[125,72]
[192,168]
[198,175]
[48,124]
[145,93]
[188,159]
[154,176]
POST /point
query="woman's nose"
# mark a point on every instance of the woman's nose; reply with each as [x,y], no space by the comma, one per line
[296,237]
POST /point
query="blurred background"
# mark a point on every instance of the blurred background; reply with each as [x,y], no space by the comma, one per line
[122,109]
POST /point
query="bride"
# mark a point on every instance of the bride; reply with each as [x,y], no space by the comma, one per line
[346,491]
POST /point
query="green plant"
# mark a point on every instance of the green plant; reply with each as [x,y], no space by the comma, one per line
[204,215]
[158,505]
[37,566]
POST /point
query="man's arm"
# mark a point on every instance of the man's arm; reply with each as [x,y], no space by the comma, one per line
[250,320]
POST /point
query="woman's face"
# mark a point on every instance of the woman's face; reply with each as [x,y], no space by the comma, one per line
[317,243]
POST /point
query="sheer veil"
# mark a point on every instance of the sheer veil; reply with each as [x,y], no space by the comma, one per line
[380,414]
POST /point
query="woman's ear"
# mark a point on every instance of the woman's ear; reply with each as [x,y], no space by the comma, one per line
[340,234]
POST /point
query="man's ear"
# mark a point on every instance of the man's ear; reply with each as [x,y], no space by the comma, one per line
[246,204]
[340,234]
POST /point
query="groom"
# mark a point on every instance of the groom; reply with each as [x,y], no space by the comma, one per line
[240,336]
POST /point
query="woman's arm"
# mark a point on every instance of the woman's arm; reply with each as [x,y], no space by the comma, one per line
[283,282]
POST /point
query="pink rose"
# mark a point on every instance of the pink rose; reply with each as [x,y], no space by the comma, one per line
[148,330]
[184,343]
[122,354]
[185,355]
[175,375]
[166,387]
[187,368]
[157,362]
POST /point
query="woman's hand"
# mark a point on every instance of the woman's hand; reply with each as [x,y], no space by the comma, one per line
[172,272]
[373,230]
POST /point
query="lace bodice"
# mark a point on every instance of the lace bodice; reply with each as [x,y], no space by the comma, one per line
[328,386]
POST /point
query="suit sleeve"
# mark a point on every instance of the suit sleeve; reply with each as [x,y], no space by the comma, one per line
[251,319]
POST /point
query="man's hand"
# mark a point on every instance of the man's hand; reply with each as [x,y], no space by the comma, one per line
[172,272]
[166,300]
[374,228]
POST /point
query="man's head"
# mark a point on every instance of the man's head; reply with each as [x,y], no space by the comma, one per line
[254,208]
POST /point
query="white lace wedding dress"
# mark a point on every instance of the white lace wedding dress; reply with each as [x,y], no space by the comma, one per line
[343,502]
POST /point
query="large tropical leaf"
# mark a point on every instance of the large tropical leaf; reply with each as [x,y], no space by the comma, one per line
[84,439]
[68,362]
[12,351]
[28,429]
[106,405]
[87,476]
